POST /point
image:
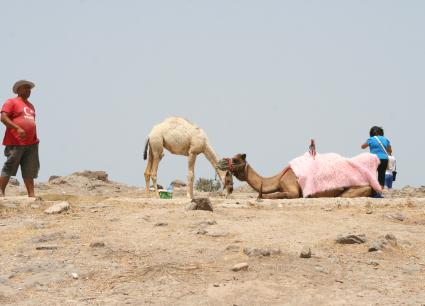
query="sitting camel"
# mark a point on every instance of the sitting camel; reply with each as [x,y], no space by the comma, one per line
[285,185]
[180,137]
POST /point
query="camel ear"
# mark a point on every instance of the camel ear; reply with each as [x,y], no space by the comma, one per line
[243,156]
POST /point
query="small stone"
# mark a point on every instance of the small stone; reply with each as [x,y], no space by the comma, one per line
[261,251]
[369,212]
[46,247]
[233,248]
[208,222]
[161,224]
[378,245]
[305,252]
[217,234]
[390,237]
[351,239]
[97,244]
[396,216]
[373,263]
[201,232]
[57,208]
[74,275]
[216,285]
[240,267]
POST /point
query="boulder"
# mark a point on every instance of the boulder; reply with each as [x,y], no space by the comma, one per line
[351,239]
[200,204]
[57,208]
[98,175]
[178,183]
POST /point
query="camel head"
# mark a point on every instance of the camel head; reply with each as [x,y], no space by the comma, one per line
[235,165]
[226,179]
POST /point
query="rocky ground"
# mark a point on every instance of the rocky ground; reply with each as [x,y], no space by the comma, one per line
[110,245]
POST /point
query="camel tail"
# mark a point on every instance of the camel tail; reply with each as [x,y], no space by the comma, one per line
[145,153]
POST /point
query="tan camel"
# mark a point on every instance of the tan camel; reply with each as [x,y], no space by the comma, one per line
[283,185]
[180,137]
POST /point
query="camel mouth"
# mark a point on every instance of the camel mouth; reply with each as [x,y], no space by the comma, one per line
[223,164]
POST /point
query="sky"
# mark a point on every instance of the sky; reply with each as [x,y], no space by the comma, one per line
[259,77]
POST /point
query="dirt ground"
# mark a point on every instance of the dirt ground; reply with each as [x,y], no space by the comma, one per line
[114,246]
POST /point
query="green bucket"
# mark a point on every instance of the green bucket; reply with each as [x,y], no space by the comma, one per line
[164,194]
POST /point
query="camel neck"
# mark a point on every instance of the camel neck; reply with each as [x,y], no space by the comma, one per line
[266,184]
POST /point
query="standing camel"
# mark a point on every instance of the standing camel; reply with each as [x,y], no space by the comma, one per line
[180,137]
[283,185]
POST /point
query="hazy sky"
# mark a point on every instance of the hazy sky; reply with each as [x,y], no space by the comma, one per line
[260,77]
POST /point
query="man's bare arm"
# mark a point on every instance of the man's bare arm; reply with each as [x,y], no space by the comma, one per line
[9,123]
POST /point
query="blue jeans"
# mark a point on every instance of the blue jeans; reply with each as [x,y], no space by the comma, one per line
[389,180]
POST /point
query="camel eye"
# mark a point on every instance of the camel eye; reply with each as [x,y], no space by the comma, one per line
[235,161]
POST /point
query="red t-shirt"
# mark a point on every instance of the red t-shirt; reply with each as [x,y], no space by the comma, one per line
[23,114]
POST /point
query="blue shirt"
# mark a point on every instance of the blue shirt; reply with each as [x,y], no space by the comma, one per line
[376,148]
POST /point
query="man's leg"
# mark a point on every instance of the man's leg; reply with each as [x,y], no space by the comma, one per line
[30,165]
[3,183]
[10,167]
[29,184]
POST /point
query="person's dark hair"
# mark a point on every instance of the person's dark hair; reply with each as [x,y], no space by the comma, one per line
[376,131]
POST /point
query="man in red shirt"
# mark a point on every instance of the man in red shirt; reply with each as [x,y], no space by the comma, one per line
[20,139]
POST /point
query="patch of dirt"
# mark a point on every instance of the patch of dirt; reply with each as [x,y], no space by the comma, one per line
[51,259]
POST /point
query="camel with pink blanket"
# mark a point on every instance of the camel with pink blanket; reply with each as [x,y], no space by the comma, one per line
[317,175]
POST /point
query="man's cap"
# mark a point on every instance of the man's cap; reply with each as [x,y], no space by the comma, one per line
[20,83]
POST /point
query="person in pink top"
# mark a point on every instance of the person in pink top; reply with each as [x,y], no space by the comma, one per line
[20,138]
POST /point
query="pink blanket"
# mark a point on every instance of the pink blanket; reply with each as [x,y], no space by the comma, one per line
[331,171]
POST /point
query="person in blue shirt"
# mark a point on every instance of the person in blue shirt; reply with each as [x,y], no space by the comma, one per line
[379,145]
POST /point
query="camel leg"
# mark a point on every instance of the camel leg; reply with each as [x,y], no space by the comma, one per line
[148,172]
[191,175]
[280,195]
[289,183]
[154,172]
[355,192]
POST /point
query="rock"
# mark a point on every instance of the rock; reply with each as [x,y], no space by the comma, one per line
[391,237]
[161,224]
[98,175]
[13,182]
[201,232]
[218,234]
[233,248]
[396,216]
[74,275]
[53,177]
[46,247]
[97,244]
[57,208]
[305,252]
[382,242]
[200,204]
[208,222]
[48,237]
[178,183]
[373,263]
[261,252]
[351,239]
[243,266]
[378,245]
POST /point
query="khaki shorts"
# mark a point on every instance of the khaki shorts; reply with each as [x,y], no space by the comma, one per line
[24,156]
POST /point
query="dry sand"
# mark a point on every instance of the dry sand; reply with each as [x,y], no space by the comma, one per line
[114,246]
